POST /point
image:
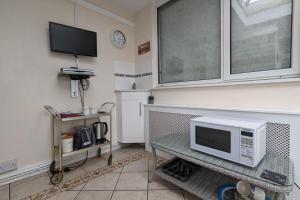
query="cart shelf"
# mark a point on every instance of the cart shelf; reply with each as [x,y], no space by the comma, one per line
[83,117]
[97,146]
[204,183]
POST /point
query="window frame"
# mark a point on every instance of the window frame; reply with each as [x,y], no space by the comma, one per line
[226,77]
[208,81]
[269,74]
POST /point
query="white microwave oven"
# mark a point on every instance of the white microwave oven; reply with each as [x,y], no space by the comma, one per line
[237,140]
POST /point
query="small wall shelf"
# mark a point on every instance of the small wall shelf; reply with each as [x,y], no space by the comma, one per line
[74,76]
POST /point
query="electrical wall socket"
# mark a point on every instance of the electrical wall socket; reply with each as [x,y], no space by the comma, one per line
[8,165]
[74,89]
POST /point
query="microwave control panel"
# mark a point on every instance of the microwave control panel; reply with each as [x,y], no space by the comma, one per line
[247,148]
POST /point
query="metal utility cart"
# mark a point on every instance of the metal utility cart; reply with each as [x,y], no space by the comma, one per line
[57,124]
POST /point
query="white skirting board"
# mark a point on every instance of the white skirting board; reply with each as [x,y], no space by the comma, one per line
[38,168]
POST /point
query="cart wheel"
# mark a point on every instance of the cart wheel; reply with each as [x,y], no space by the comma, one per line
[99,152]
[110,159]
[52,167]
[57,178]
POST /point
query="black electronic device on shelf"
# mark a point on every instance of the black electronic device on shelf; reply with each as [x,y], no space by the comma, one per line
[75,73]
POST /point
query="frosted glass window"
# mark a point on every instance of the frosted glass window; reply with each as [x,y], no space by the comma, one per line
[189,40]
[261,35]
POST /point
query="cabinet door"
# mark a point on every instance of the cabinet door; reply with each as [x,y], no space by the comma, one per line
[132,120]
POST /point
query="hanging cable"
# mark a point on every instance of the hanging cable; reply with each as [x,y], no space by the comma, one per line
[76,61]
[70,168]
[84,85]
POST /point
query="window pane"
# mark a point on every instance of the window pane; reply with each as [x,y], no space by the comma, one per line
[261,32]
[189,34]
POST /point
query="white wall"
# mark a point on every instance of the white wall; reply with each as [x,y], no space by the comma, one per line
[124,82]
[114,8]
[143,34]
[284,96]
[28,72]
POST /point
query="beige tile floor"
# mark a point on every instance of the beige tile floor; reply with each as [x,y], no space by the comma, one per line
[127,183]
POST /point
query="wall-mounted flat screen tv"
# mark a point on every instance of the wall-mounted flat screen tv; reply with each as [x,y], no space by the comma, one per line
[71,40]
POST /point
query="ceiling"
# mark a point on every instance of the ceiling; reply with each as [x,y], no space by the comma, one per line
[131,5]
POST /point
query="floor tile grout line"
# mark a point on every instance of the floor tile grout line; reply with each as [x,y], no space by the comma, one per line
[116,184]
[120,190]
[80,190]
[109,190]
[148,180]
[84,170]
[164,189]
[84,186]
[133,172]
[9,197]
[77,195]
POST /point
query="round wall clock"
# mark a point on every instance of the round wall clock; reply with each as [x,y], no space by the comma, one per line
[118,39]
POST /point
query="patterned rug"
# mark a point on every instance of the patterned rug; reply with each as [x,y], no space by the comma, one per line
[67,185]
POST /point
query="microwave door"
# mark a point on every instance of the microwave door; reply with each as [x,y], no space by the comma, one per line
[217,140]
[213,138]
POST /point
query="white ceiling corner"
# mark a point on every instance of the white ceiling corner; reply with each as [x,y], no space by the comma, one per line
[102,11]
[132,5]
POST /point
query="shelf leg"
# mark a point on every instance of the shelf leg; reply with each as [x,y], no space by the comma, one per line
[60,147]
[110,133]
[154,164]
[53,139]
[279,196]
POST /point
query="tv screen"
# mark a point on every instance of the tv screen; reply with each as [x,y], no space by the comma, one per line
[67,39]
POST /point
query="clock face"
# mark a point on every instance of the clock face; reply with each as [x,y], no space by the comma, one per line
[118,39]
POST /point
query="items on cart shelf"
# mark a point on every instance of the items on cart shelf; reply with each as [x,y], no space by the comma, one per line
[86,111]
[180,169]
[90,110]
[70,114]
[227,192]
[83,138]
[246,191]
[93,110]
[241,191]
[100,130]
[67,142]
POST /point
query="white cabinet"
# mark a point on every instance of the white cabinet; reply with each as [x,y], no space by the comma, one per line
[130,116]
